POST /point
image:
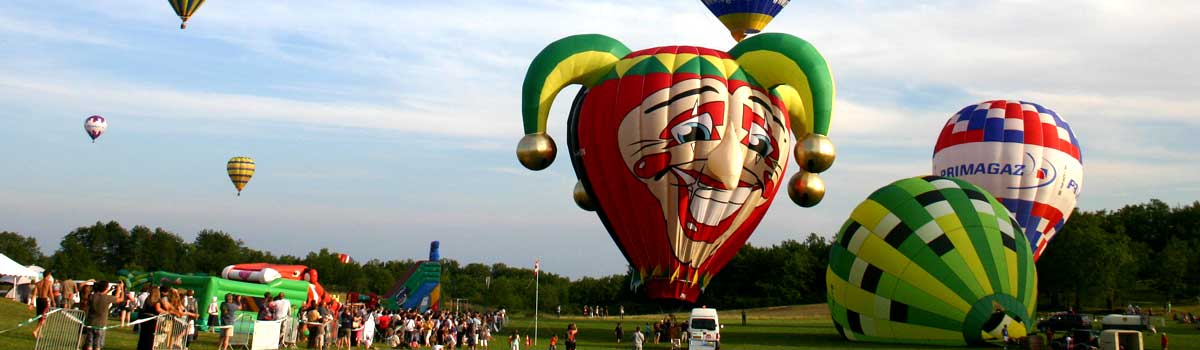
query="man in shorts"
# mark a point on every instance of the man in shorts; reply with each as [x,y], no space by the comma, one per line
[43,292]
[98,306]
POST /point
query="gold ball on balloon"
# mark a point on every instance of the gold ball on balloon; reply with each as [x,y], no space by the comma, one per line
[815,153]
[806,189]
[582,199]
[536,151]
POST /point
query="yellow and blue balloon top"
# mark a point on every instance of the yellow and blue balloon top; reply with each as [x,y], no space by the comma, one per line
[240,170]
[744,17]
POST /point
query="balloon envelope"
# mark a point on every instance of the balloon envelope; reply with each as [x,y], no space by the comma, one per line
[95,126]
[681,148]
[184,9]
[743,17]
[240,170]
[1024,154]
[930,260]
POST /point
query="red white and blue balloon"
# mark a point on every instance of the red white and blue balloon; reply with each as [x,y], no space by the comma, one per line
[1024,154]
[95,126]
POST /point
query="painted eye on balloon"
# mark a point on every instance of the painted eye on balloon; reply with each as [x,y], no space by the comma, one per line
[698,128]
[759,141]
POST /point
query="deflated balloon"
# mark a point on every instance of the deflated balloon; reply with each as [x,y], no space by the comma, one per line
[679,149]
[744,17]
[95,126]
[184,9]
[1024,154]
[930,260]
[240,170]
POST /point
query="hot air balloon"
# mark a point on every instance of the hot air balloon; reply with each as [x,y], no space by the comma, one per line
[681,149]
[240,170]
[931,260]
[1024,154]
[744,17]
[95,126]
[184,9]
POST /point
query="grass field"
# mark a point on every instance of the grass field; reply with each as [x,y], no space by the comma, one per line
[792,327]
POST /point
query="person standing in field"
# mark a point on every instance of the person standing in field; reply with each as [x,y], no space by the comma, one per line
[620,332]
[638,338]
[572,331]
[43,300]
[96,318]
[229,310]
[514,341]
[68,289]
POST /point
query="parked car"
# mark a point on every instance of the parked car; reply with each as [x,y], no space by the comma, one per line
[1061,322]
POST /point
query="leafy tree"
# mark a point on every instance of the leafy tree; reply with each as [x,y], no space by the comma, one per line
[22,249]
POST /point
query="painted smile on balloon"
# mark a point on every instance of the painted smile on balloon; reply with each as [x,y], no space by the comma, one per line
[716,148]
[705,208]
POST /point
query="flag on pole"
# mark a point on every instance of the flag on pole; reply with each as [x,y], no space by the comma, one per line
[344,258]
[537,263]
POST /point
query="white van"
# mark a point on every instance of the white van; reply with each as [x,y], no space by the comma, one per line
[1114,339]
[1130,322]
[704,330]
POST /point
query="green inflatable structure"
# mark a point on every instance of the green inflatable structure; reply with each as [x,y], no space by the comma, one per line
[207,287]
[931,260]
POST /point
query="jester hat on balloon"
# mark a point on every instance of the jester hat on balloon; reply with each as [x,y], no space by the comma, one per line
[681,149]
[1021,152]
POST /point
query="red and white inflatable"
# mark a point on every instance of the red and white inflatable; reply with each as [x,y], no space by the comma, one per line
[265,273]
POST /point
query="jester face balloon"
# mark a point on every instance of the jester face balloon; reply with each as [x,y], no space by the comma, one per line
[679,149]
[1024,154]
[931,260]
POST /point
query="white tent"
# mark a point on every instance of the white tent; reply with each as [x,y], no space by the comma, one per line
[8,267]
[18,276]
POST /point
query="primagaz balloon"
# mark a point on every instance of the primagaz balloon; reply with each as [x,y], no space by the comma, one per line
[95,126]
[240,170]
[681,149]
[744,17]
[931,260]
[1024,154]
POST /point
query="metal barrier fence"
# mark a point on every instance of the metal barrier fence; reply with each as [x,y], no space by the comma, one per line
[243,329]
[62,330]
[171,333]
[291,326]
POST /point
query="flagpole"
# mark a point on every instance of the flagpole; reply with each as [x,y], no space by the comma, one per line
[536,294]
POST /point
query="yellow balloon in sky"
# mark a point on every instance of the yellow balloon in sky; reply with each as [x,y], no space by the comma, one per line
[240,170]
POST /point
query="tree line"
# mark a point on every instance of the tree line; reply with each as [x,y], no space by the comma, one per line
[1142,252]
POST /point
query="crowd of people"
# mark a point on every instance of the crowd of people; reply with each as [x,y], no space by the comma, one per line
[334,326]
[100,300]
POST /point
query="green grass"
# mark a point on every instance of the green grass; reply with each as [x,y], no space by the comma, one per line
[792,327]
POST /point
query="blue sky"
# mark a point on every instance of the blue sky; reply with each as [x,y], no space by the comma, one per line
[378,126]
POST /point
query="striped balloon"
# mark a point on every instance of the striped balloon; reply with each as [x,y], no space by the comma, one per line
[184,9]
[930,260]
[743,17]
[95,126]
[240,170]
[1024,154]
